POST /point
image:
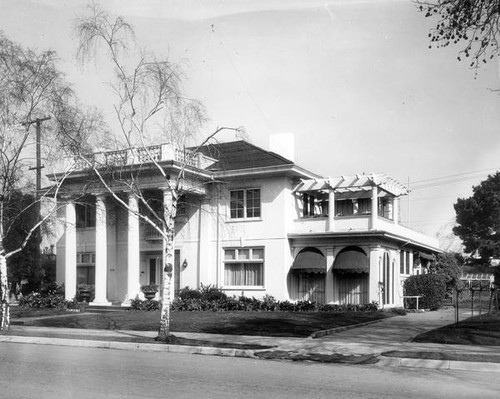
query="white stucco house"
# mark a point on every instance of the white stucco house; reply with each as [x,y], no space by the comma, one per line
[250,221]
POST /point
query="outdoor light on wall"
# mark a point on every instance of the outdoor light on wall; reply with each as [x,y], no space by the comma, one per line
[184,264]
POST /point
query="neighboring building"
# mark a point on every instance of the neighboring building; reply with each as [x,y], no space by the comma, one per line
[249,221]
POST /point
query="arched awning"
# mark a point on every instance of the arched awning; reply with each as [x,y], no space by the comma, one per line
[352,260]
[310,261]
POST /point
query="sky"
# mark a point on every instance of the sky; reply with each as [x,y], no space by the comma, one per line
[354,81]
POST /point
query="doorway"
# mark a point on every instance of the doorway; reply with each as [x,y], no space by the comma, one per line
[155,270]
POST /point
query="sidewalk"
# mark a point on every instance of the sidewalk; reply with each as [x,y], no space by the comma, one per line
[360,344]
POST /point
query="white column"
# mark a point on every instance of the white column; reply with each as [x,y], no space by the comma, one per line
[331,211]
[133,272]
[374,277]
[101,253]
[329,291]
[70,251]
[374,215]
[395,210]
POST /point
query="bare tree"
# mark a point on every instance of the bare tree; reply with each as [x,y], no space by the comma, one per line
[474,24]
[32,89]
[150,107]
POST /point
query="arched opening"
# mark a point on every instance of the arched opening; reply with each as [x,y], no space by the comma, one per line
[351,270]
[307,276]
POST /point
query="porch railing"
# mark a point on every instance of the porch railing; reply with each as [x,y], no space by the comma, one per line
[150,233]
[143,155]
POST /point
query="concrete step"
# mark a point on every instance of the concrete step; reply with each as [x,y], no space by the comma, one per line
[100,309]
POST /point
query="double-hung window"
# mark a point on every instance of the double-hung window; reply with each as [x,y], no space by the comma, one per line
[244,267]
[85,268]
[245,204]
[85,216]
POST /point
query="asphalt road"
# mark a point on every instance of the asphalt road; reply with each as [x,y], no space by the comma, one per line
[46,371]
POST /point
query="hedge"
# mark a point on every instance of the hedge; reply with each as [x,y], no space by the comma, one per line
[432,288]
[210,298]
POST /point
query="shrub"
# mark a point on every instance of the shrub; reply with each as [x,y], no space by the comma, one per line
[211,298]
[145,305]
[211,293]
[188,293]
[432,287]
[52,297]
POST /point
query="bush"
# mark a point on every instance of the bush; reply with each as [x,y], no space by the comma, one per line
[432,287]
[48,297]
[188,293]
[211,298]
[145,305]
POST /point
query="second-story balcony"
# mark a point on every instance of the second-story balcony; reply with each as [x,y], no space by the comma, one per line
[144,155]
[353,204]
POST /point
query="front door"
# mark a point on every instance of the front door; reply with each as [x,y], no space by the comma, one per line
[154,270]
[177,271]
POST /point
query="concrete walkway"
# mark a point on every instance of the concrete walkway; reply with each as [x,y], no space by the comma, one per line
[390,334]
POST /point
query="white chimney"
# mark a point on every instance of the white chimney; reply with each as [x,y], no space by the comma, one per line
[283,144]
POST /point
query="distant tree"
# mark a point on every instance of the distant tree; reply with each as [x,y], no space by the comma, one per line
[472,24]
[32,88]
[478,219]
[21,265]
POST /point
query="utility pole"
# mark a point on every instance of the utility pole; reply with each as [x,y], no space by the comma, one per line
[38,186]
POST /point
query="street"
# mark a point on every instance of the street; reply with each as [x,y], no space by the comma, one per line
[46,371]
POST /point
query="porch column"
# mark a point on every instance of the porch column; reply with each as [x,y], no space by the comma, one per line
[374,215]
[329,292]
[374,277]
[331,211]
[70,251]
[395,210]
[101,253]
[133,254]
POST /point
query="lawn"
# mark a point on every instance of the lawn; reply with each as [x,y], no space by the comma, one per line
[274,324]
[479,330]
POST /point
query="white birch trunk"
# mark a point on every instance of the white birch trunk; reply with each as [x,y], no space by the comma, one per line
[4,284]
[169,210]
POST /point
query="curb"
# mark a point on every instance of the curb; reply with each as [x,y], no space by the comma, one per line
[322,333]
[439,364]
[200,350]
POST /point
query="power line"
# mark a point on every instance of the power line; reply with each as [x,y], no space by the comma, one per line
[449,179]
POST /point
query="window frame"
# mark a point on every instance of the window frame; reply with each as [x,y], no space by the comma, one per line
[88,266]
[243,205]
[250,260]
[88,211]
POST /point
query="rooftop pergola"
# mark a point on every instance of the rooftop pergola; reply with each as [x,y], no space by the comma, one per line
[356,186]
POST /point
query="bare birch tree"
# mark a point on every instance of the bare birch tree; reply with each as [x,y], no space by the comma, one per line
[32,89]
[150,106]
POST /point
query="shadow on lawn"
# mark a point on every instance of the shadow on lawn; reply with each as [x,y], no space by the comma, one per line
[479,330]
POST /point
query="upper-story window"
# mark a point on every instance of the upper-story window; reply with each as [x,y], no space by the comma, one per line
[314,205]
[348,207]
[385,208]
[245,203]
[85,216]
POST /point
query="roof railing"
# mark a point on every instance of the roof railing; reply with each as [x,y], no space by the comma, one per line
[144,155]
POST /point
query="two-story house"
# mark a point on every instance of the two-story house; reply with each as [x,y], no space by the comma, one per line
[249,221]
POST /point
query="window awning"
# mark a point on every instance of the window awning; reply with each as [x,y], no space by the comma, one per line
[351,261]
[310,262]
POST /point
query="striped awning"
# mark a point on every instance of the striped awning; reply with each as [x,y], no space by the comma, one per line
[310,261]
[351,261]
